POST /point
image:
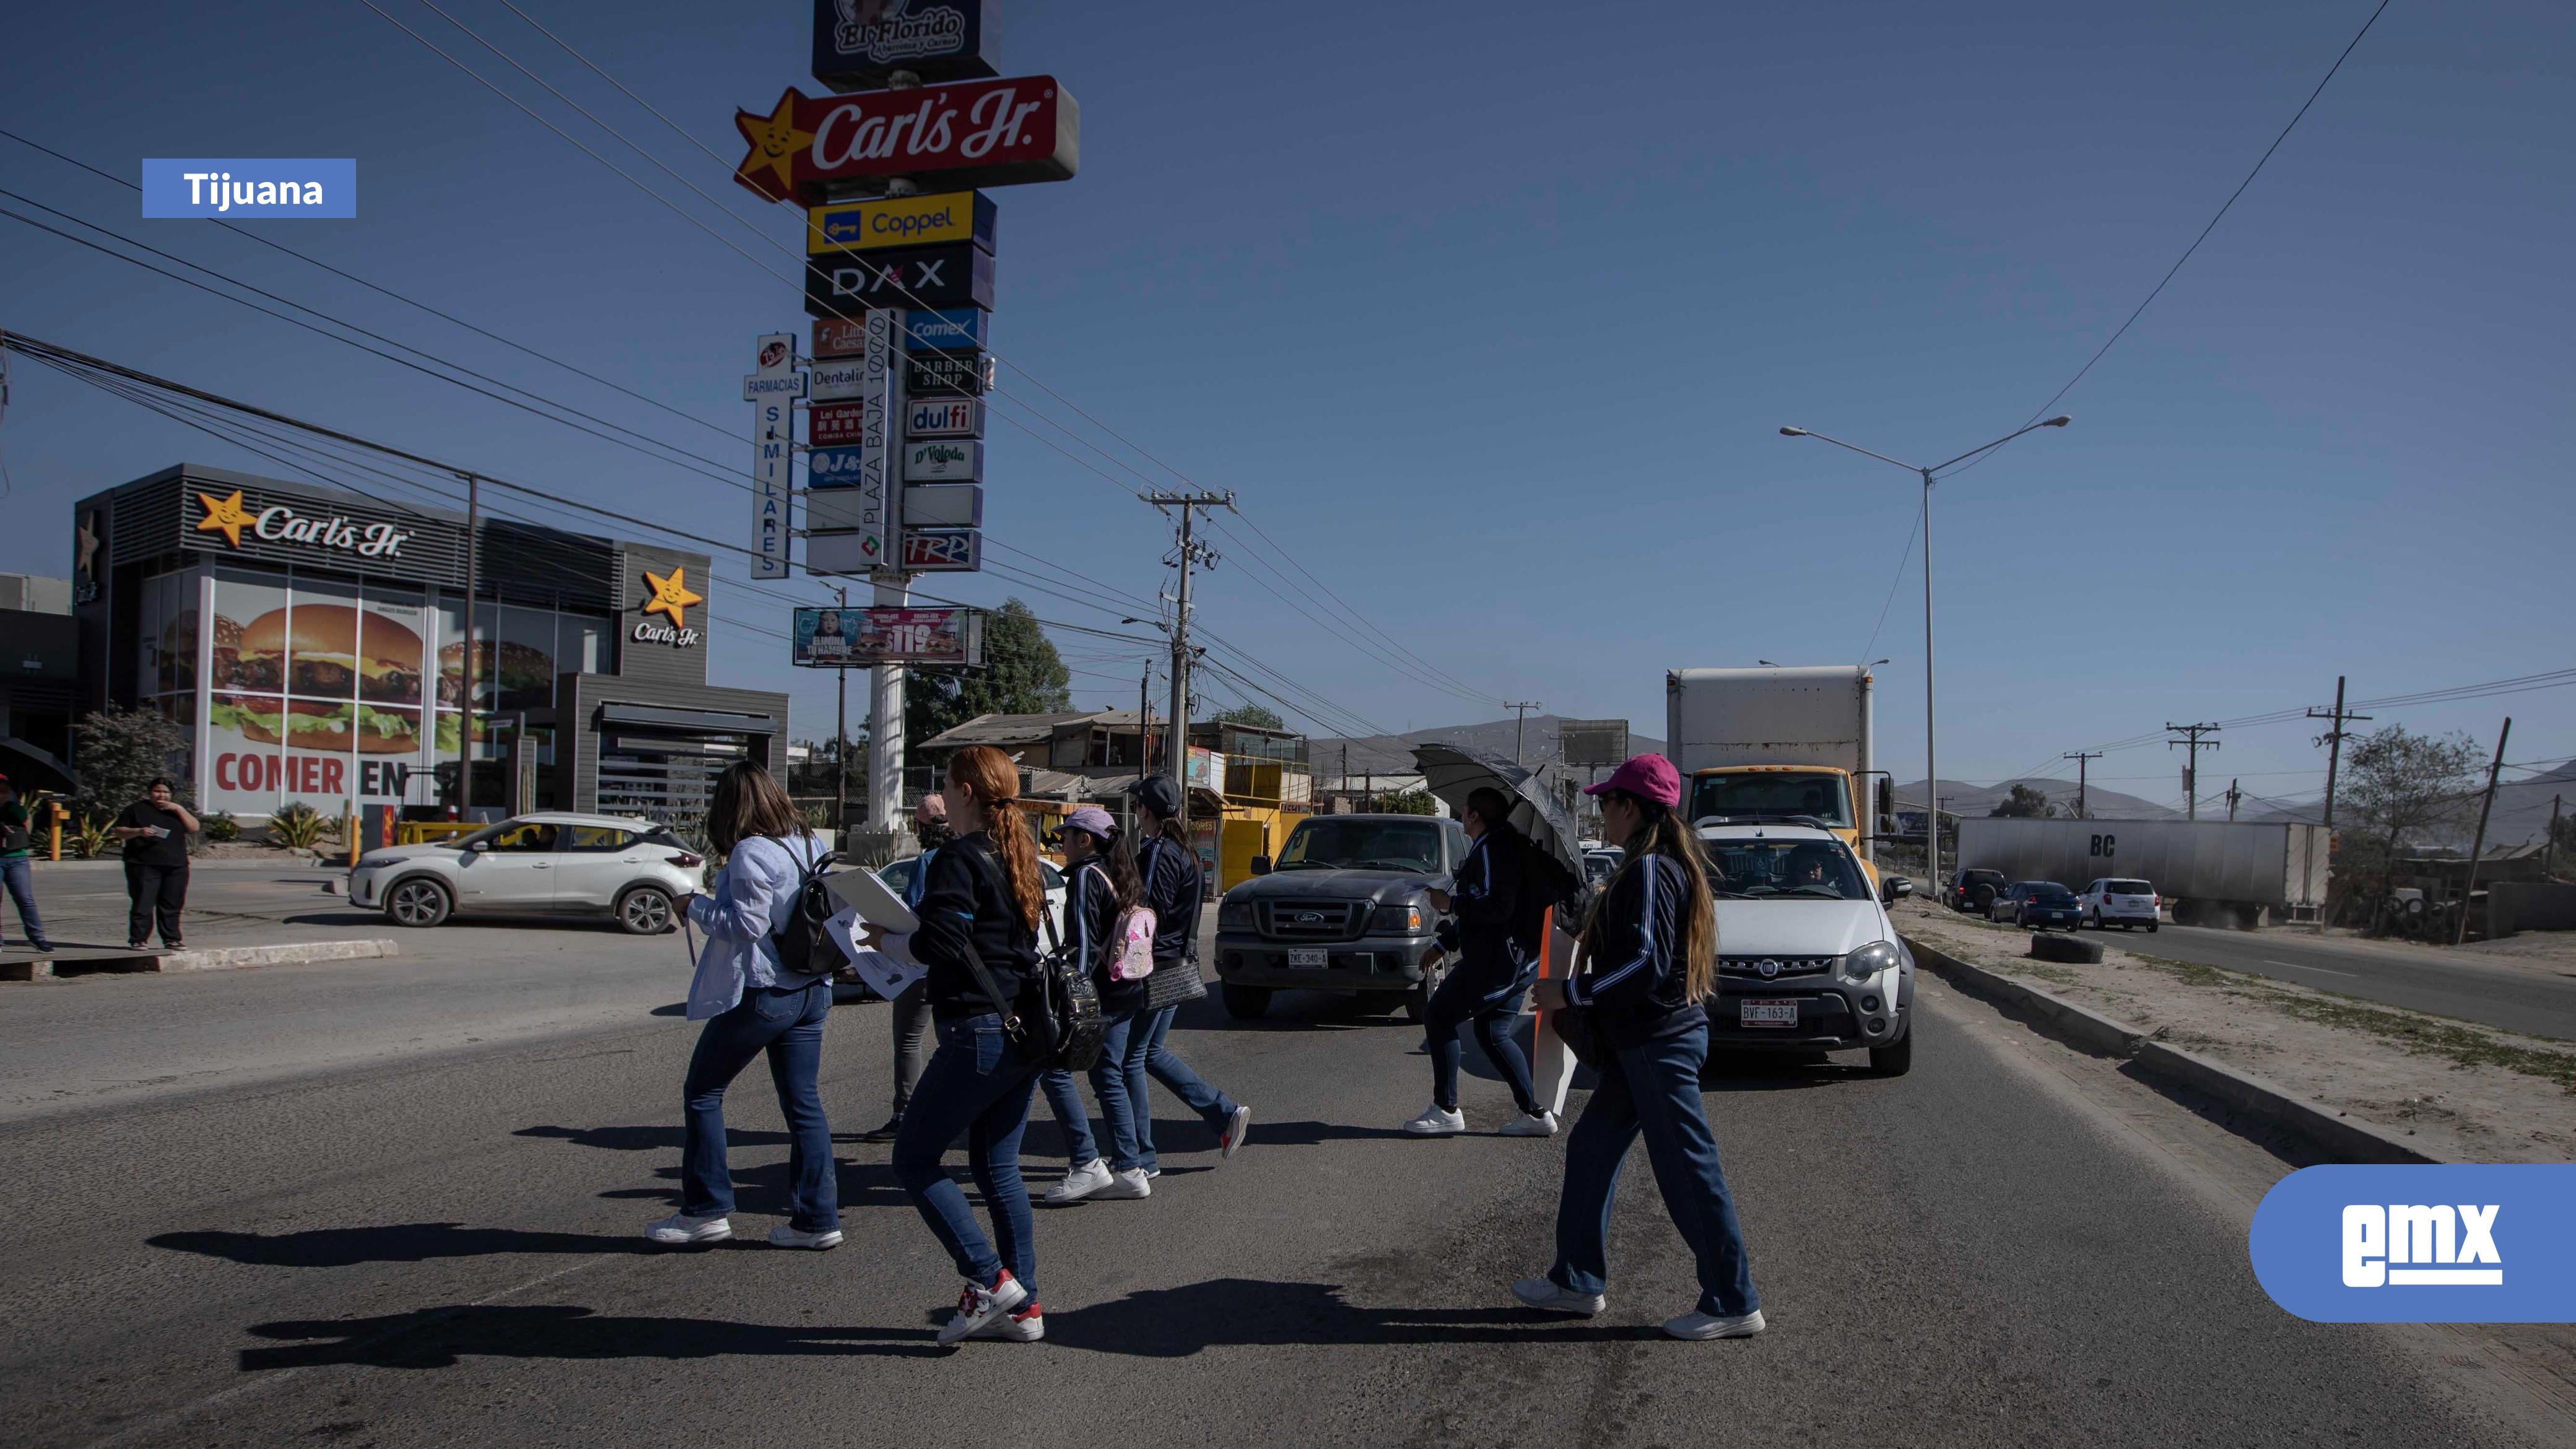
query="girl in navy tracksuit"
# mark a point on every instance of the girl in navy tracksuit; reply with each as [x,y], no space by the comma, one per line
[1649,959]
[1101,887]
[1174,887]
[1500,925]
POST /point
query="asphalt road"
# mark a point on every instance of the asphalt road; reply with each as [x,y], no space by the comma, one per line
[434,1242]
[2515,998]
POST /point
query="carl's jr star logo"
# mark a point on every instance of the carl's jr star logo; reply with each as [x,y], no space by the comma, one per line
[671,595]
[225,516]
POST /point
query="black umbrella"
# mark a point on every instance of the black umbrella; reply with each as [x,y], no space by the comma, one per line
[1452,772]
[31,769]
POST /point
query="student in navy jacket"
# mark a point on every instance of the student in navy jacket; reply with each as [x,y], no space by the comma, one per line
[1500,925]
[1648,959]
[1175,887]
[1101,886]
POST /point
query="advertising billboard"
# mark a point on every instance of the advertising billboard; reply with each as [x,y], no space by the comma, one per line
[941,374]
[1588,742]
[957,275]
[944,418]
[943,505]
[944,460]
[856,637]
[955,136]
[951,329]
[860,44]
[943,550]
[901,221]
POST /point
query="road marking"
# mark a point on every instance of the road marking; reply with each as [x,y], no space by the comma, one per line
[2295,966]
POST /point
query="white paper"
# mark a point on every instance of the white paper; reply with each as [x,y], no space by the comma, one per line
[887,974]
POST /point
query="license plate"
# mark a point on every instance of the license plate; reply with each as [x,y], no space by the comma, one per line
[1766,1013]
[1309,956]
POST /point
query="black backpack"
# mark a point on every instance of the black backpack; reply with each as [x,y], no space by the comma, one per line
[1056,1020]
[805,948]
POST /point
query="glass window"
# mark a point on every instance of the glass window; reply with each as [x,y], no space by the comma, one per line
[2128,888]
[527,659]
[1771,795]
[1323,843]
[581,645]
[1755,869]
[898,876]
[518,837]
[600,838]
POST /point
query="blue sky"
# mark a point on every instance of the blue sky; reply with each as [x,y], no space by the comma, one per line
[1491,312]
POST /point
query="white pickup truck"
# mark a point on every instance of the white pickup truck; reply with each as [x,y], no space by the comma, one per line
[1807,958]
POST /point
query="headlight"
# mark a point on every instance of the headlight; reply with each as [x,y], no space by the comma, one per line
[1234,916]
[376,862]
[1403,920]
[1869,960]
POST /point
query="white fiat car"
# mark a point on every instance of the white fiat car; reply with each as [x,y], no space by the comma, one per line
[1807,958]
[549,863]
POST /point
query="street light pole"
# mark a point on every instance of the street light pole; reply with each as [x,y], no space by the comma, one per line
[1931,753]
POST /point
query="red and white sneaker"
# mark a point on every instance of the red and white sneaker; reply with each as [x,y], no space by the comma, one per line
[1026,1326]
[979,1305]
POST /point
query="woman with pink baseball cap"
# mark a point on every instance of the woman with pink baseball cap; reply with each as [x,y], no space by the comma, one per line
[1647,959]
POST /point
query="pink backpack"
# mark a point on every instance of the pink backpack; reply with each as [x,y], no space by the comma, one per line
[1131,944]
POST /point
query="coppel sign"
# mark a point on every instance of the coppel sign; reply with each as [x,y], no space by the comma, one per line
[901,221]
[944,417]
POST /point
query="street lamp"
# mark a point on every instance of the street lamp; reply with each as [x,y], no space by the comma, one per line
[1931,757]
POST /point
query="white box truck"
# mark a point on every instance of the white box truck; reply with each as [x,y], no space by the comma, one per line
[1774,743]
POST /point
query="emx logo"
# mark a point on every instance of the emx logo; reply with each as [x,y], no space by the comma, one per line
[2420,1244]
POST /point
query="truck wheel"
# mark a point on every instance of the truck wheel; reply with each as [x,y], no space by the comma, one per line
[2151,928]
[1895,1059]
[418,901]
[1246,1003]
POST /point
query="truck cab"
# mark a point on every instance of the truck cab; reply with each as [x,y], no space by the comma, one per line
[1820,795]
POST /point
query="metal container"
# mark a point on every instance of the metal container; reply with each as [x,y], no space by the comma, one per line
[2277,867]
[1768,716]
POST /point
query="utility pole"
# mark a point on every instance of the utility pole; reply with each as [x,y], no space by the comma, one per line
[1176,752]
[2192,744]
[2233,795]
[2479,846]
[1522,727]
[1144,721]
[2080,757]
[2336,719]
[2549,846]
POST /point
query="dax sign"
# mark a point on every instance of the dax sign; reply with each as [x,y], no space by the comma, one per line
[958,275]
[860,44]
[946,375]
[944,418]
[943,550]
[959,460]
[830,638]
[965,134]
[901,221]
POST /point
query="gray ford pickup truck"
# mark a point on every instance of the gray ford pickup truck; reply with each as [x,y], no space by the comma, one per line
[1344,909]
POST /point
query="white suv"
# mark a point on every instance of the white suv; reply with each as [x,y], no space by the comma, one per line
[2121,903]
[549,863]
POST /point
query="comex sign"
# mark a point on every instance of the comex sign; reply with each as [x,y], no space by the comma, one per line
[2420,1244]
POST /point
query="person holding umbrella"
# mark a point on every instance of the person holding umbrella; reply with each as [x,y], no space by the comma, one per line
[1501,922]
[1648,960]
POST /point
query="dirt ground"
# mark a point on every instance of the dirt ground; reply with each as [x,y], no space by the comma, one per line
[2550,952]
[2466,1093]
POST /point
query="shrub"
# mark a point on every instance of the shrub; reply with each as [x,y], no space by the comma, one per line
[297,827]
[90,839]
[222,827]
[117,751]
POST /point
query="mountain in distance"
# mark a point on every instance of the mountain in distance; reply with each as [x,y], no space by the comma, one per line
[1393,754]
[1961,798]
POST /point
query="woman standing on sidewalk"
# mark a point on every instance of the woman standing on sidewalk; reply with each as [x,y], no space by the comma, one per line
[155,830]
[1103,887]
[1174,887]
[1499,928]
[979,939]
[1648,959]
[751,1004]
[16,849]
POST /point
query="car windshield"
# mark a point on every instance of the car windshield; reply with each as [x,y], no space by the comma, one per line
[1772,795]
[2045,890]
[1327,844]
[512,835]
[1800,869]
[2128,888]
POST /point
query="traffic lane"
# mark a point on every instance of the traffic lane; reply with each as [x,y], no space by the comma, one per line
[2515,1000]
[230,902]
[1951,1257]
[111,1040]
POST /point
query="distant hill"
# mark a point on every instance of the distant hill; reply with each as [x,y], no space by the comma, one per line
[1961,798]
[2521,810]
[1393,754]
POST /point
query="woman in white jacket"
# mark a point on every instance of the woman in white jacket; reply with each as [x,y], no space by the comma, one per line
[752,1004]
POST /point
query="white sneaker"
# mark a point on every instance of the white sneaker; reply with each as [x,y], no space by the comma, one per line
[1697,1325]
[1437,1121]
[1026,1326]
[979,1305]
[1231,1141]
[1080,1183]
[788,1235]
[679,1230]
[1125,1186]
[1536,1124]
[1546,1296]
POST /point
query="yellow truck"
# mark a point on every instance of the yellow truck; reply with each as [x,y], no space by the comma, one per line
[1790,745]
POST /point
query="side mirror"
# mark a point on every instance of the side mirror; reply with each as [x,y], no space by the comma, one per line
[1261,865]
[1893,889]
[478,847]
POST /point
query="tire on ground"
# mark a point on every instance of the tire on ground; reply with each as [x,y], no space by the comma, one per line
[645,911]
[2049,946]
[418,900]
[1245,1003]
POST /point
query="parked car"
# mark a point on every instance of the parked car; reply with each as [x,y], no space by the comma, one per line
[1343,910]
[2038,905]
[1975,890]
[1807,958]
[552,862]
[2121,903]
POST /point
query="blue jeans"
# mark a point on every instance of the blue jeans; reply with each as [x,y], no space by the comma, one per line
[1109,1083]
[976,1085]
[1148,1057]
[20,878]
[788,1025]
[1490,996]
[1654,1088]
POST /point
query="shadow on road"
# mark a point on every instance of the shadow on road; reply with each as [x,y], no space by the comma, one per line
[391,1243]
[1229,1312]
[439,1337]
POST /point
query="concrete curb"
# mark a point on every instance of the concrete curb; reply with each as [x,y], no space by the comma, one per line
[2342,1138]
[215,958]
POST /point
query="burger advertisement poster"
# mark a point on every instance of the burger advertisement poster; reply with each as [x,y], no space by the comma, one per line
[314,697]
